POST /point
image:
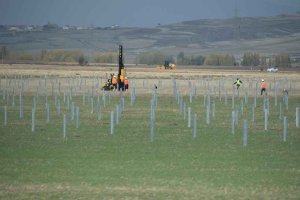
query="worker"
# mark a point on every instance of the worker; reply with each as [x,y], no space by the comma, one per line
[126,83]
[285,93]
[263,87]
[238,83]
[104,84]
[114,82]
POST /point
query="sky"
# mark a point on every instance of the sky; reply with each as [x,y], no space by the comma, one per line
[134,13]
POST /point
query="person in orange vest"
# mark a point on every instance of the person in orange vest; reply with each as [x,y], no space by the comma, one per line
[126,83]
[263,87]
[114,83]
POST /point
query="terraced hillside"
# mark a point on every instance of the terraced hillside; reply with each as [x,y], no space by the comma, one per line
[266,35]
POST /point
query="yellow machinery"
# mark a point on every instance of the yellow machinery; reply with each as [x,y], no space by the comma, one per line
[121,74]
[168,65]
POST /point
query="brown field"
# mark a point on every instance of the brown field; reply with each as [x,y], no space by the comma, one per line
[142,71]
[152,75]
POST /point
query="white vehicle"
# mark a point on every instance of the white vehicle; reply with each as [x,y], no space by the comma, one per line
[272,69]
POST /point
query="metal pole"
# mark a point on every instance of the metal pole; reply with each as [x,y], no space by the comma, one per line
[189,117]
[245,132]
[253,113]
[58,106]
[236,121]
[117,114]
[152,121]
[65,127]
[99,111]
[286,102]
[92,104]
[32,119]
[184,111]
[72,111]
[77,117]
[5,115]
[266,119]
[195,126]
[232,121]
[207,115]
[280,111]
[48,113]
[213,109]
[111,122]
[298,117]
[285,126]
[83,99]
[21,105]
[232,101]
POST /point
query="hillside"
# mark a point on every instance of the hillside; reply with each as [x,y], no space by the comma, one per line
[267,35]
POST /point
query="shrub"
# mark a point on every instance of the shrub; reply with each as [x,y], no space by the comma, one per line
[82,60]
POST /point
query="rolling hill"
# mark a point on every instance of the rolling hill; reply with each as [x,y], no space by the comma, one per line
[266,35]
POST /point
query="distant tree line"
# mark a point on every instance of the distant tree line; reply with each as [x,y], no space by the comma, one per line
[190,60]
[106,57]
[150,58]
[283,60]
[219,60]
[60,55]
[56,55]
[4,53]
[254,59]
[249,59]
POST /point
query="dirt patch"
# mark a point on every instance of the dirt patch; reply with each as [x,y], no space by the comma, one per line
[205,80]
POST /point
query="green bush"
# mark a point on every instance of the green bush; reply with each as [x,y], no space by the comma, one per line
[82,60]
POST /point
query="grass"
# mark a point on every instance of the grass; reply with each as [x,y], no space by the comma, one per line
[93,164]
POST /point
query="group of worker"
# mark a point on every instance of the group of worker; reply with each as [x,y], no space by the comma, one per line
[114,82]
[263,89]
[237,82]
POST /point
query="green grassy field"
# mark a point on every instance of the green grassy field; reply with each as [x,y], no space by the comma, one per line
[94,164]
